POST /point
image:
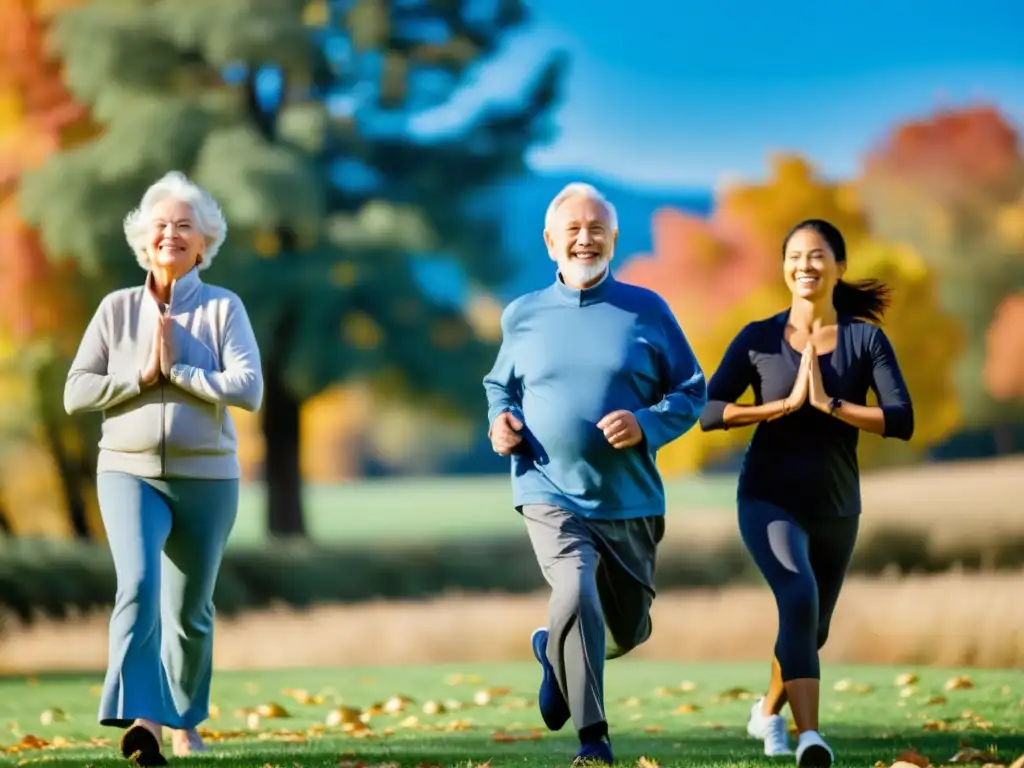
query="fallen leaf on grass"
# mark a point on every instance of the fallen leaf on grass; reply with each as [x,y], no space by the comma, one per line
[687,686]
[935,725]
[686,709]
[653,729]
[734,694]
[342,715]
[302,696]
[507,737]
[632,701]
[484,697]
[460,679]
[913,757]
[848,686]
[961,682]
[972,755]
[54,715]
[936,699]
[272,710]
[1018,763]
[396,704]
[905,679]
[646,762]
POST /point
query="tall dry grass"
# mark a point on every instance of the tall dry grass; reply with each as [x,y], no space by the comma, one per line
[946,620]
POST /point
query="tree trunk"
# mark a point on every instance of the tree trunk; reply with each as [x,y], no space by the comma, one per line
[5,520]
[281,464]
[282,438]
[67,467]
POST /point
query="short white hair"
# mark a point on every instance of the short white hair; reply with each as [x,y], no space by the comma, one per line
[580,189]
[177,186]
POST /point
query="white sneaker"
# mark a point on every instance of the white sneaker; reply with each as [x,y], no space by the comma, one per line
[771,729]
[812,751]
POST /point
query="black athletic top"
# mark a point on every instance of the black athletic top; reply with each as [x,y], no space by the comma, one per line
[806,461]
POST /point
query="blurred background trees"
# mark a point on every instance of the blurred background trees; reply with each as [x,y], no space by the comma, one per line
[378,226]
[720,273]
[299,118]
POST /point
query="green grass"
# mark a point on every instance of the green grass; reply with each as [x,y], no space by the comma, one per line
[862,727]
[434,508]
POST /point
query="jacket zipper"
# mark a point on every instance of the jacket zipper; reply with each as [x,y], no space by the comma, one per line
[163,399]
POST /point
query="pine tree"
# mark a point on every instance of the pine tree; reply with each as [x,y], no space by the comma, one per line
[299,118]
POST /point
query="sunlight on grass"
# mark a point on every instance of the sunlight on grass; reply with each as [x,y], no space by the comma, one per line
[667,714]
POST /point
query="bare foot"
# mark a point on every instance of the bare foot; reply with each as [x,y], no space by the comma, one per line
[187,742]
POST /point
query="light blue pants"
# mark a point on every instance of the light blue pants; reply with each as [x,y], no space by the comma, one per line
[167,539]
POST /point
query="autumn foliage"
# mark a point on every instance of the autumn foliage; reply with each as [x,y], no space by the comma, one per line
[1004,365]
[952,186]
[721,273]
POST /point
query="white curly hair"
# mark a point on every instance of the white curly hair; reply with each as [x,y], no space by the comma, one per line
[175,185]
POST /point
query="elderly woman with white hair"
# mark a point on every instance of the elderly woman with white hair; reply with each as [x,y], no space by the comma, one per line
[162,361]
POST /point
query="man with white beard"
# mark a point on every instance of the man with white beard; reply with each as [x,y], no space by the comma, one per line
[592,378]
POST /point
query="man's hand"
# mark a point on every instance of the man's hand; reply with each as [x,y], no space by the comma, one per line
[504,433]
[621,429]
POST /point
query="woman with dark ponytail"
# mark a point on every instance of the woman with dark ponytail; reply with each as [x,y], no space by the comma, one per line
[810,367]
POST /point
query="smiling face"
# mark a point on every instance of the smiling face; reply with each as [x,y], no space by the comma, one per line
[809,267]
[581,240]
[176,245]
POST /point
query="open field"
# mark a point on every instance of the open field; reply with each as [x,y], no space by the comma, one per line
[945,620]
[674,714]
[445,508]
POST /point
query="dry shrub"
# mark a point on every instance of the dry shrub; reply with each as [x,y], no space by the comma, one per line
[952,619]
[925,519]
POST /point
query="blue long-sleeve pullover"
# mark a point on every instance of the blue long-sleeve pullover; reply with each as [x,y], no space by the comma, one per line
[568,358]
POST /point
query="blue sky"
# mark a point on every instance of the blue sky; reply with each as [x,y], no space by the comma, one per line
[671,94]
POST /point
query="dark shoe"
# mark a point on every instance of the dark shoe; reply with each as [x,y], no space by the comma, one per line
[553,708]
[138,742]
[594,753]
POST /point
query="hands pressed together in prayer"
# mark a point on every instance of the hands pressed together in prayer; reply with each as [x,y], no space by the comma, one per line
[808,386]
[162,357]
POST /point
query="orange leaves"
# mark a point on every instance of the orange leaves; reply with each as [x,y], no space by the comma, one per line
[1004,353]
[951,156]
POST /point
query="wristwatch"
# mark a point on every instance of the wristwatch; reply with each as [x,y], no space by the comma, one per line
[834,405]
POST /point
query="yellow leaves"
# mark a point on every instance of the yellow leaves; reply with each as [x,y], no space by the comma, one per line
[905,679]
[361,331]
[266,244]
[647,762]
[687,709]
[316,14]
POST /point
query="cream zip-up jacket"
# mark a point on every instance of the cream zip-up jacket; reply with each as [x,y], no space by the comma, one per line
[178,427]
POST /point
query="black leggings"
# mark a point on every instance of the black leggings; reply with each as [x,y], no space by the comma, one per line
[804,563]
